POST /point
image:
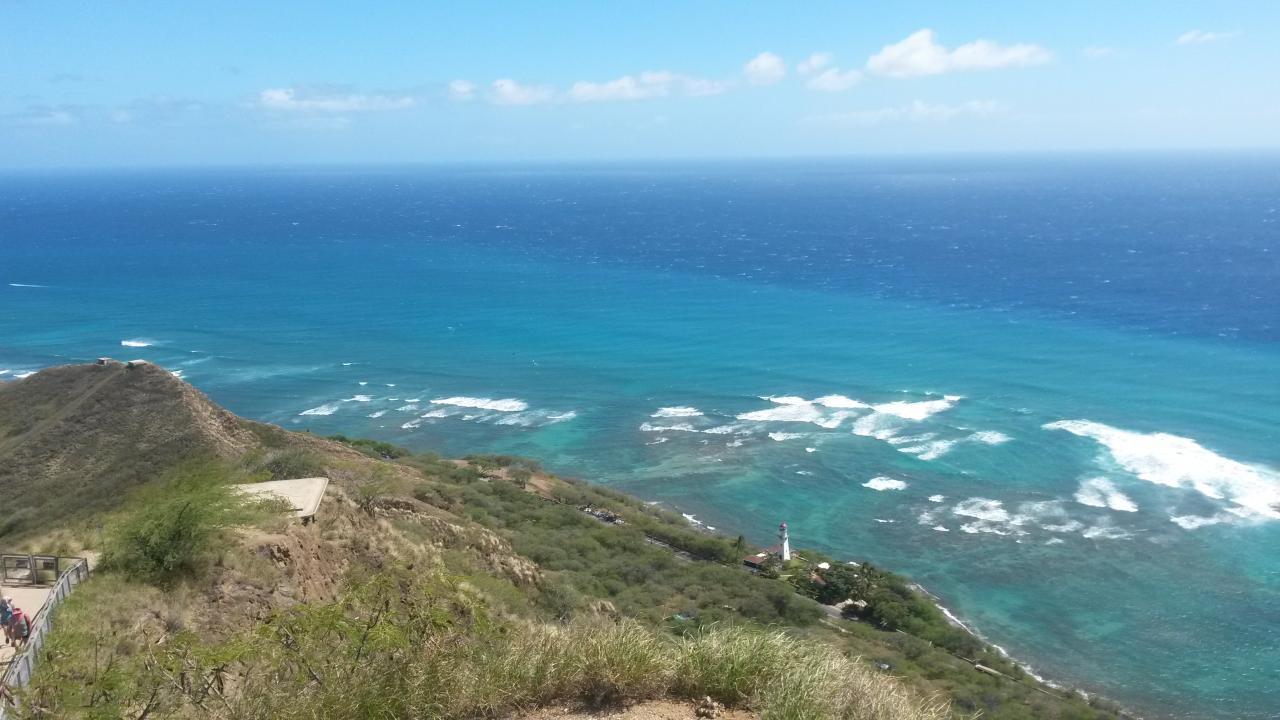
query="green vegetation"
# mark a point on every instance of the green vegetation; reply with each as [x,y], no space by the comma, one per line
[430,587]
[631,565]
[399,644]
[374,448]
[890,602]
[175,525]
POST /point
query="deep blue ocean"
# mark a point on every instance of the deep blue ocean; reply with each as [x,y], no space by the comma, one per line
[1046,388]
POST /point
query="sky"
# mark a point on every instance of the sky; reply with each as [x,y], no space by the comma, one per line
[141,84]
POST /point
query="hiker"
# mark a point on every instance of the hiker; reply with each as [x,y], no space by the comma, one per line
[19,627]
[6,613]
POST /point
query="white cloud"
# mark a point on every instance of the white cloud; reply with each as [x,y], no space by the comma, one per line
[462,89]
[765,69]
[815,63]
[643,86]
[824,76]
[45,116]
[1201,37]
[1095,52]
[921,54]
[834,80]
[917,111]
[509,92]
[289,99]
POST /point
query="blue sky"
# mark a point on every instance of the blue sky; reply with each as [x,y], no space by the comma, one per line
[92,84]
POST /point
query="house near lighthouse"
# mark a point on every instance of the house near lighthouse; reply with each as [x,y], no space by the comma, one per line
[781,551]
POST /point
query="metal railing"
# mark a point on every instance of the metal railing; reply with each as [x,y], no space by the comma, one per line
[18,674]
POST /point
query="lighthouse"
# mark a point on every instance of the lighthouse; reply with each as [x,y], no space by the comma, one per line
[785,540]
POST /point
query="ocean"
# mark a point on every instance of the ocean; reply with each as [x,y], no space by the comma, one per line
[1047,388]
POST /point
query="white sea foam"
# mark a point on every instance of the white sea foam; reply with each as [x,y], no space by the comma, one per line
[780,436]
[989,516]
[940,528]
[504,405]
[785,399]
[693,520]
[138,343]
[362,383]
[673,412]
[359,398]
[377,414]
[413,400]
[989,437]
[26,285]
[937,498]
[411,424]
[1106,532]
[1191,522]
[677,427]
[919,410]
[1069,526]
[791,408]
[436,413]
[786,412]
[877,425]
[1180,462]
[525,419]
[561,417]
[884,483]
[911,439]
[326,409]
[882,520]
[659,441]
[411,407]
[930,450]
[176,373]
[1102,493]
[722,430]
[5,372]
[841,402]
[810,450]
[21,375]
[390,384]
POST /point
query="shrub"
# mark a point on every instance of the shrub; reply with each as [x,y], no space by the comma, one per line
[374,448]
[170,527]
[286,464]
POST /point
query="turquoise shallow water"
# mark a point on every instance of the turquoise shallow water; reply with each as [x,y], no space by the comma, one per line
[1048,391]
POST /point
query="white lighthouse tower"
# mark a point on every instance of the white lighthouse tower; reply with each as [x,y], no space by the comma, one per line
[785,540]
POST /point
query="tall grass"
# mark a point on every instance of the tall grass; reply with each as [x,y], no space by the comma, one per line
[399,646]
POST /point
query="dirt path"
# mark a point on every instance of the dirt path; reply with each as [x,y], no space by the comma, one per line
[661,710]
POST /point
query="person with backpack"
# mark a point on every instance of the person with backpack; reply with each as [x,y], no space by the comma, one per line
[6,613]
[19,627]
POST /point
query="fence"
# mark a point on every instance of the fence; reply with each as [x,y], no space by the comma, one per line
[18,674]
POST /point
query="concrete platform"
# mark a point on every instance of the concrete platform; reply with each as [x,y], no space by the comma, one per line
[303,495]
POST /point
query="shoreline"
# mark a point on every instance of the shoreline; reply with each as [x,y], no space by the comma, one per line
[952,619]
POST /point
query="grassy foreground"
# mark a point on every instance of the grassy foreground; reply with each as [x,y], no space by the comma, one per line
[435,588]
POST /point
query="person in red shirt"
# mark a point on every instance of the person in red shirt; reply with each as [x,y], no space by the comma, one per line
[19,627]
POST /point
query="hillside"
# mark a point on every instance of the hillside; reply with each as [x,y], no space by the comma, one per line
[426,587]
[74,438]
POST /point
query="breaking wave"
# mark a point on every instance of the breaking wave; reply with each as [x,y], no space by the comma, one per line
[504,405]
[1179,462]
[1102,493]
[884,483]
